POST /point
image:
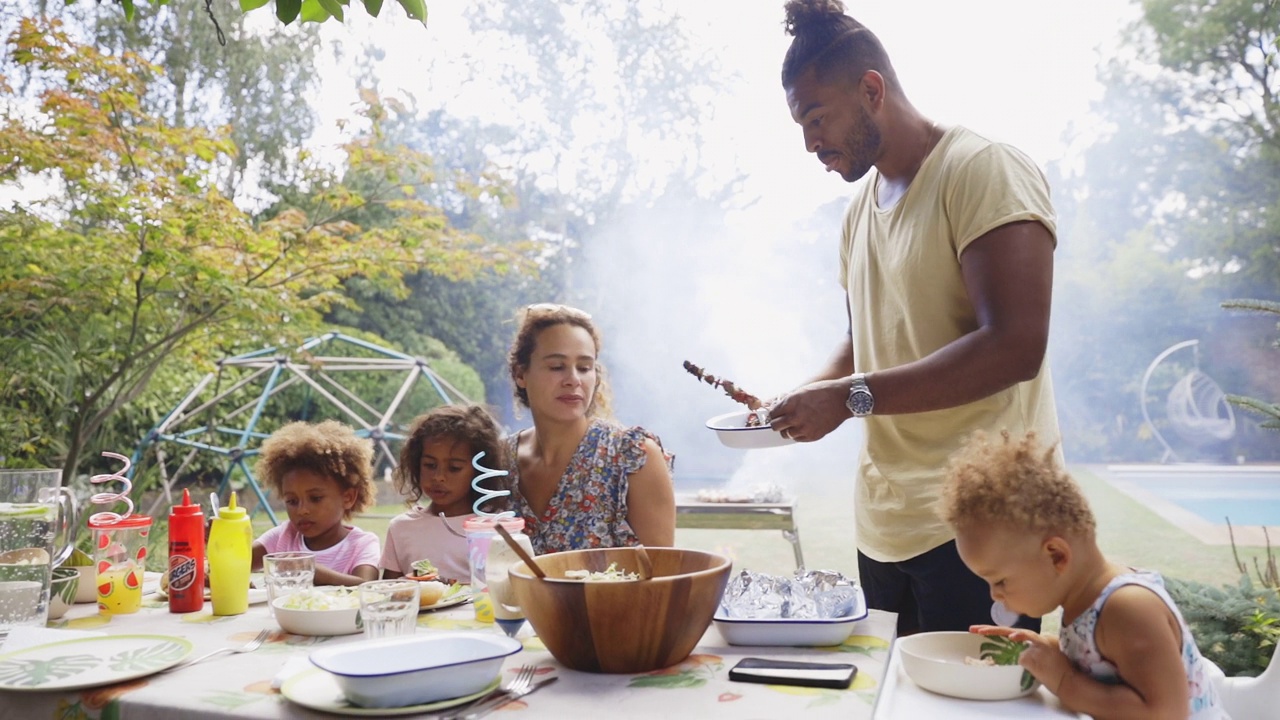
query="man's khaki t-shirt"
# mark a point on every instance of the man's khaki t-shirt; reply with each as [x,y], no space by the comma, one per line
[901,270]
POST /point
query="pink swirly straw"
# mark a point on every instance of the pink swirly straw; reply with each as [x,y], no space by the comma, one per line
[108,517]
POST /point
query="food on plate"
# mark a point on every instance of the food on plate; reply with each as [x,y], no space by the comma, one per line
[733,391]
[423,569]
[341,598]
[986,661]
[430,592]
[764,493]
[609,574]
[1001,650]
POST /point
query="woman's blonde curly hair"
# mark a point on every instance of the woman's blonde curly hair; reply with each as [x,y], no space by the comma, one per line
[1013,483]
[328,448]
[530,322]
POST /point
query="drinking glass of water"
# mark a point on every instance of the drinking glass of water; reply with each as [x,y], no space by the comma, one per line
[286,573]
[389,608]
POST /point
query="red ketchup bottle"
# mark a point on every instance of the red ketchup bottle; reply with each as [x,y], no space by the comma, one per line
[186,557]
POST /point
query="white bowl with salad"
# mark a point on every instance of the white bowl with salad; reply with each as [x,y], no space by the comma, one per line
[319,611]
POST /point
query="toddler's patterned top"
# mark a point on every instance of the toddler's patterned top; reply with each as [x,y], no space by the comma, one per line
[589,506]
[1080,646]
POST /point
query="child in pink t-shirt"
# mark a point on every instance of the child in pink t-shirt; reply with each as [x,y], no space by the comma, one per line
[435,464]
[324,474]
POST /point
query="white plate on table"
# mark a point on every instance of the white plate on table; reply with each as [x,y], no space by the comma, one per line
[318,690]
[90,662]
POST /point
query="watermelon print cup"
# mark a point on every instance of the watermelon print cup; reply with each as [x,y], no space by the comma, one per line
[120,554]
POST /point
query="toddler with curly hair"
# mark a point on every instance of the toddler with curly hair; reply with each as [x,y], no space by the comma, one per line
[324,474]
[1023,525]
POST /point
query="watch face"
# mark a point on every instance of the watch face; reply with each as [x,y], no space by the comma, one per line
[860,402]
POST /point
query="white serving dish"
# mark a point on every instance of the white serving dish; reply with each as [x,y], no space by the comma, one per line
[935,662]
[416,669]
[733,432]
[344,621]
[790,631]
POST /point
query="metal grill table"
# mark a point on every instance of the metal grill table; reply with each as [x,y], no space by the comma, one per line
[695,515]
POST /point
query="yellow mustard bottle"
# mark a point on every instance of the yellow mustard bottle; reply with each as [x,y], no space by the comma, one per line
[230,557]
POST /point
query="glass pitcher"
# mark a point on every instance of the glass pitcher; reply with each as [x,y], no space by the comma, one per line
[34,511]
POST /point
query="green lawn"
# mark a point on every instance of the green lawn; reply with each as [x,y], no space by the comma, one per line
[1128,533]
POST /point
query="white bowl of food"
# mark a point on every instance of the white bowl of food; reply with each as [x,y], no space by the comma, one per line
[319,611]
[794,632]
[733,431]
[952,663]
[416,669]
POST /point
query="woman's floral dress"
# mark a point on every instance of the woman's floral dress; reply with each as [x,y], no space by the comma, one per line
[589,507]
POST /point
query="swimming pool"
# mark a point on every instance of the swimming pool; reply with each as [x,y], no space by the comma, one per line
[1244,495]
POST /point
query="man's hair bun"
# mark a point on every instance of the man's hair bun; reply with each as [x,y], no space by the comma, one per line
[802,14]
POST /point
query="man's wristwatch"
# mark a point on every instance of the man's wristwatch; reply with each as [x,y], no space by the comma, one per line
[860,401]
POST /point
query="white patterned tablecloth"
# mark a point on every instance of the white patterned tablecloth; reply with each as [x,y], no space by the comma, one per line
[241,685]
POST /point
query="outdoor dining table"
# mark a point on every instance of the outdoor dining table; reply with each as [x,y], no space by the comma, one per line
[246,685]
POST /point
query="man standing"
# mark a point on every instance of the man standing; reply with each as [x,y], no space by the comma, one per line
[947,262]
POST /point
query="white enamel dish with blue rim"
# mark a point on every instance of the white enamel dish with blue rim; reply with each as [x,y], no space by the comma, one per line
[733,432]
[416,669]
[814,632]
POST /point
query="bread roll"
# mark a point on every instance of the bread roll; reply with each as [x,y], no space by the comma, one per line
[430,592]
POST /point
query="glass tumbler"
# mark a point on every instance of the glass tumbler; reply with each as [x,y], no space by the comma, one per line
[286,573]
[389,608]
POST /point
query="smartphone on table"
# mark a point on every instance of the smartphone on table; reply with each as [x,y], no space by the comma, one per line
[791,672]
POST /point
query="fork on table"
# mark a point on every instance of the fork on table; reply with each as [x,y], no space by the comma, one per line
[250,646]
[520,685]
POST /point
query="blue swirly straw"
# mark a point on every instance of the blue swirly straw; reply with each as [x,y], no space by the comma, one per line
[485,493]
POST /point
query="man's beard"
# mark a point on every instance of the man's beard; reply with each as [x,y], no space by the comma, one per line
[861,147]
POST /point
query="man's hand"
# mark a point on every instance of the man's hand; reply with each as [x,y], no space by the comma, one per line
[811,412]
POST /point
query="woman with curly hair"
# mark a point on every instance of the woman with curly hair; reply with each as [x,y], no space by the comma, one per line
[579,479]
[324,474]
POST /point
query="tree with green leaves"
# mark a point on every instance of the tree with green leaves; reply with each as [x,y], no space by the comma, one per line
[1176,209]
[302,10]
[571,156]
[129,257]
[259,85]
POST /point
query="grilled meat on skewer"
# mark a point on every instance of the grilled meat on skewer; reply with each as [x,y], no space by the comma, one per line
[733,391]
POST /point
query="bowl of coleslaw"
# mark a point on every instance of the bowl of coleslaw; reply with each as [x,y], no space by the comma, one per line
[594,613]
[319,611]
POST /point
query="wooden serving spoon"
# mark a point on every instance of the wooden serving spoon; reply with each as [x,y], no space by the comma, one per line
[646,565]
[526,557]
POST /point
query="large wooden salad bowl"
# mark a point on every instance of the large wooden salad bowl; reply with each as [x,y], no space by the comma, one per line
[628,626]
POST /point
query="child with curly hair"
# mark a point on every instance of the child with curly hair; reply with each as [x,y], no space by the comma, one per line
[324,474]
[435,464]
[1023,525]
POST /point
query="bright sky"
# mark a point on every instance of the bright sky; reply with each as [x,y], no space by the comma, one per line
[1020,71]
